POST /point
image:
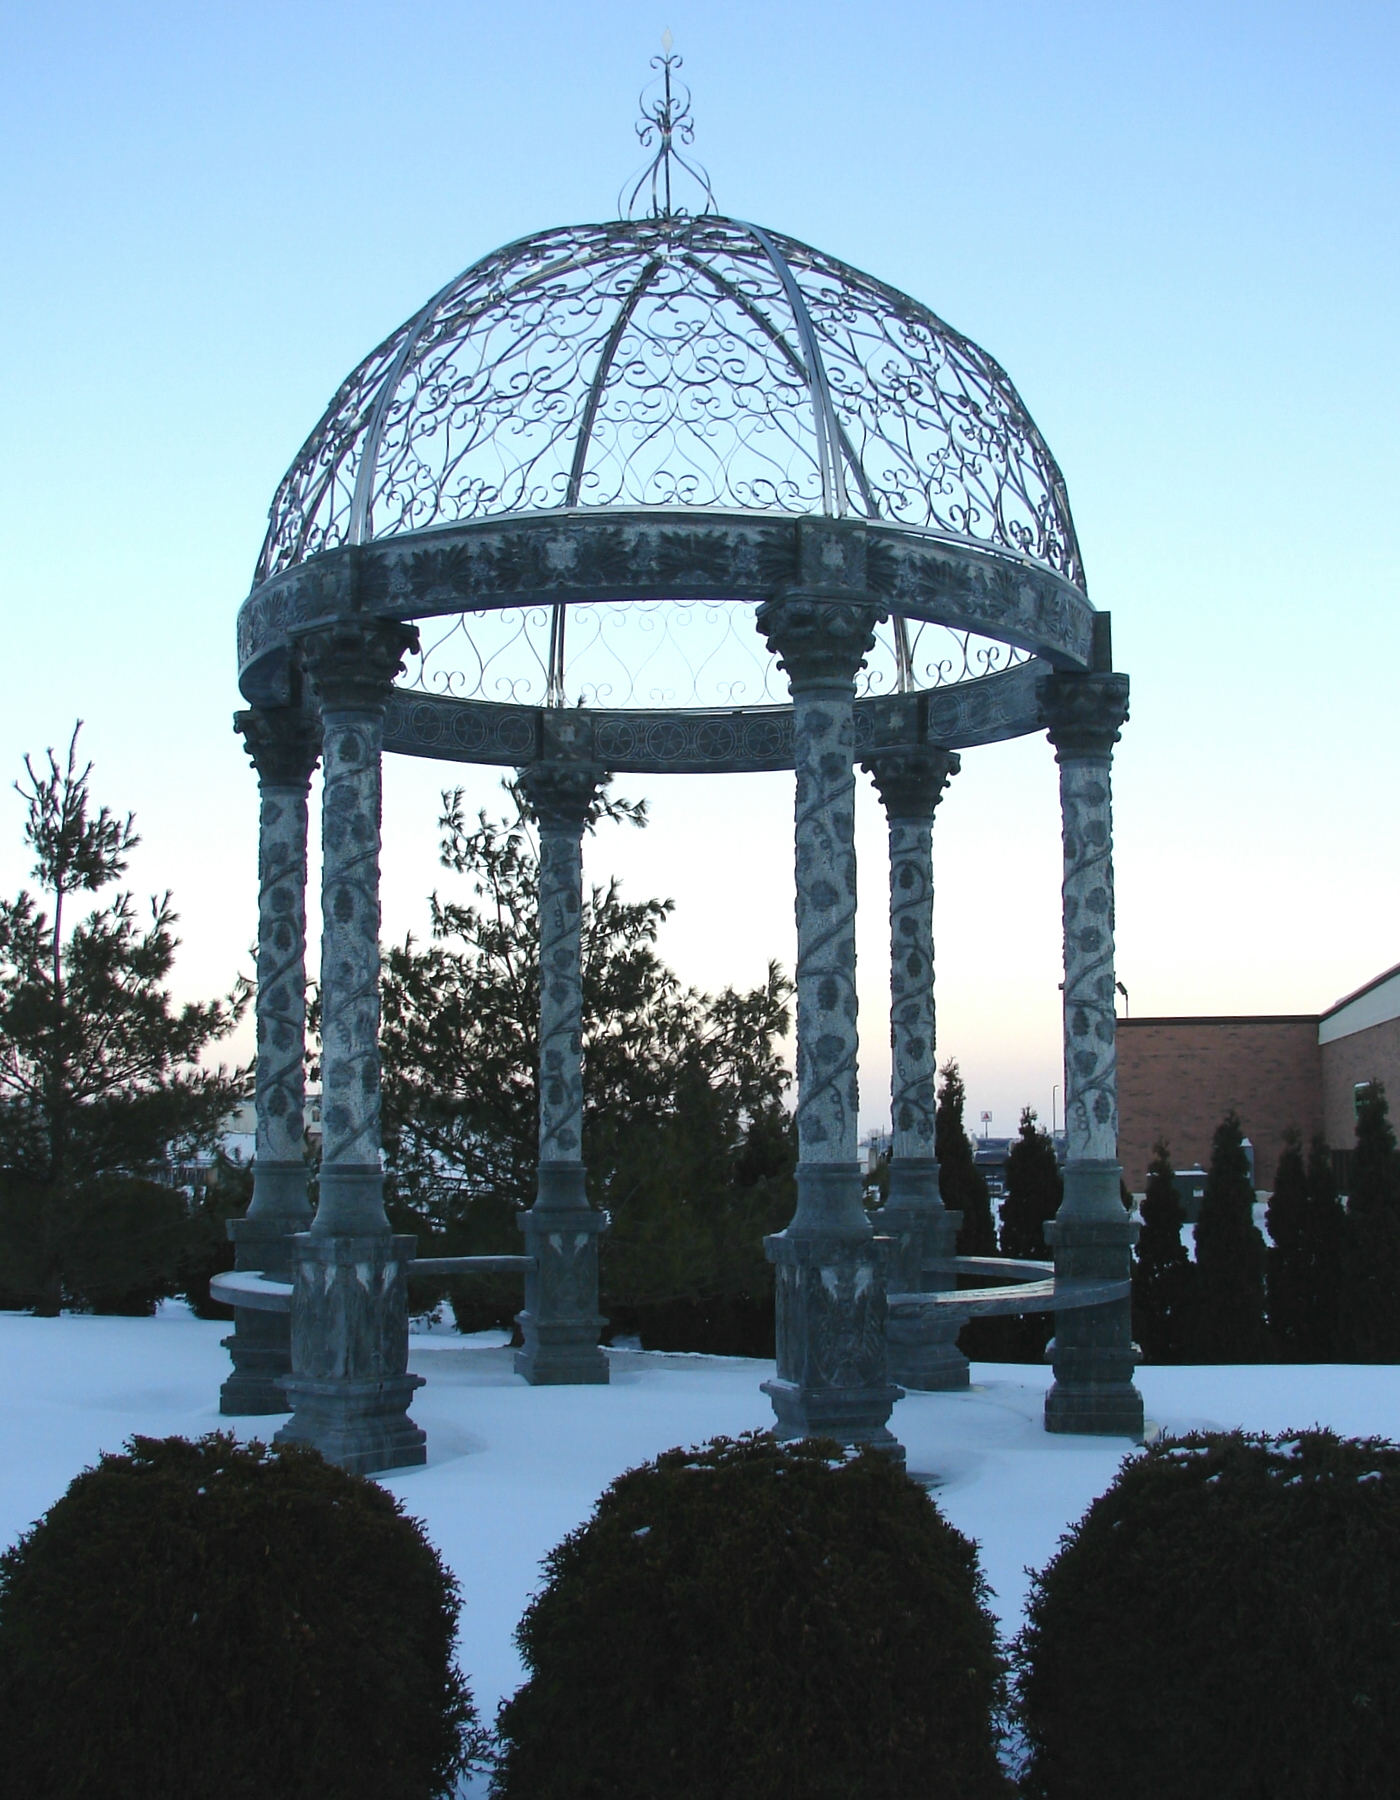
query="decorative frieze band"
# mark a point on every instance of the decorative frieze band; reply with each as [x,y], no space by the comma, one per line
[563,557]
[746,740]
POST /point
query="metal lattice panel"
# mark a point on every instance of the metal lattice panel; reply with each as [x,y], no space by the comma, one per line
[674,362]
[676,653]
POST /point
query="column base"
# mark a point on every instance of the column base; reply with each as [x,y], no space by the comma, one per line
[555,1356]
[923,1349]
[853,1416]
[261,1342]
[362,1426]
[1094,1409]
[922,1345]
[832,1378]
[560,1321]
[349,1386]
[254,1388]
[1092,1351]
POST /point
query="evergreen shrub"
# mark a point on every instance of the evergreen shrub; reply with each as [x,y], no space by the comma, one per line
[758,1619]
[1163,1273]
[229,1622]
[1228,1310]
[1223,1621]
[1370,1330]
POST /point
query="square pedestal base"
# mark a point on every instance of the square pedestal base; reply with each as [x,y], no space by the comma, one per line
[260,1344]
[1090,1410]
[560,1320]
[931,1362]
[854,1416]
[261,1348]
[363,1426]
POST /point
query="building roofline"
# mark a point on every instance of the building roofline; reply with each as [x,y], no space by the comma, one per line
[1346,999]
[1229,1018]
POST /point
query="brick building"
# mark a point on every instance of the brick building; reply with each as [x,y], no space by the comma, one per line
[1177,1077]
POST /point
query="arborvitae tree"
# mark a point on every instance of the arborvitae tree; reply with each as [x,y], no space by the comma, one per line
[1372,1254]
[101,1076]
[963,1185]
[1034,1189]
[1288,1281]
[1307,1224]
[1229,1257]
[1327,1230]
[1163,1273]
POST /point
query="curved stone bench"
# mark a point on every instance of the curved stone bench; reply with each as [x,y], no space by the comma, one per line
[248,1288]
[1026,1287]
[263,1293]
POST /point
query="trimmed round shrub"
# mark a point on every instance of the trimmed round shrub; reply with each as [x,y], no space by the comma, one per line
[228,1622]
[1224,1621]
[758,1619]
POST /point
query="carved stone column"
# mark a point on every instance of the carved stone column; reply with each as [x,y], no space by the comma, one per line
[923,1349]
[1092,1236]
[832,1379]
[349,1384]
[284,744]
[560,1320]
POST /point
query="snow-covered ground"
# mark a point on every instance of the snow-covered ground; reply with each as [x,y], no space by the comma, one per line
[512,1468]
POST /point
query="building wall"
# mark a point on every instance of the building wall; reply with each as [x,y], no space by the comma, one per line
[1177,1077]
[1369,1055]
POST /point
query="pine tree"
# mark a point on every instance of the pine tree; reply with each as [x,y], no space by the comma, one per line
[1163,1273]
[100,1075]
[1229,1257]
[1034,1189]
[687,1142]
[963,1185]
[1372,1248]
[1306,1223]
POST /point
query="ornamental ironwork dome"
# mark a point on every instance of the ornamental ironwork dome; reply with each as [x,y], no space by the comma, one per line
[674,362]
[592,455]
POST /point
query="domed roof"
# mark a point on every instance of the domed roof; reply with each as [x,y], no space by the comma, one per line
[674,362]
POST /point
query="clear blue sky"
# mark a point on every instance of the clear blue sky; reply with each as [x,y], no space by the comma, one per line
[1175,224]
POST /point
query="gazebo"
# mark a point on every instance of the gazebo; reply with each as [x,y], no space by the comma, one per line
[671,493]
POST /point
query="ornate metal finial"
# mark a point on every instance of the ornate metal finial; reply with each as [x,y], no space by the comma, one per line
[665,122]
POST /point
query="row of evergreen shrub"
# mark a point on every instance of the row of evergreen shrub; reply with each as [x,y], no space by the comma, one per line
[781,1622]
[1325,1288]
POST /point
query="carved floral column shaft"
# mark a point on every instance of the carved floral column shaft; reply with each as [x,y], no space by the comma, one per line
[1092,1235]
[349,1382]
[831,1377]
[283,744]
[560,1321]
[923,1350]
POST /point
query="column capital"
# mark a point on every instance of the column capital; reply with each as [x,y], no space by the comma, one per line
[561,793]
[283,744]
[1083,714]
[819,643]
[352,663]
[911,778]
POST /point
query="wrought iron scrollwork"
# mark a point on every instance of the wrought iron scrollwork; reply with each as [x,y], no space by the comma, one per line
[666,653]
[665,122]
[674,362]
